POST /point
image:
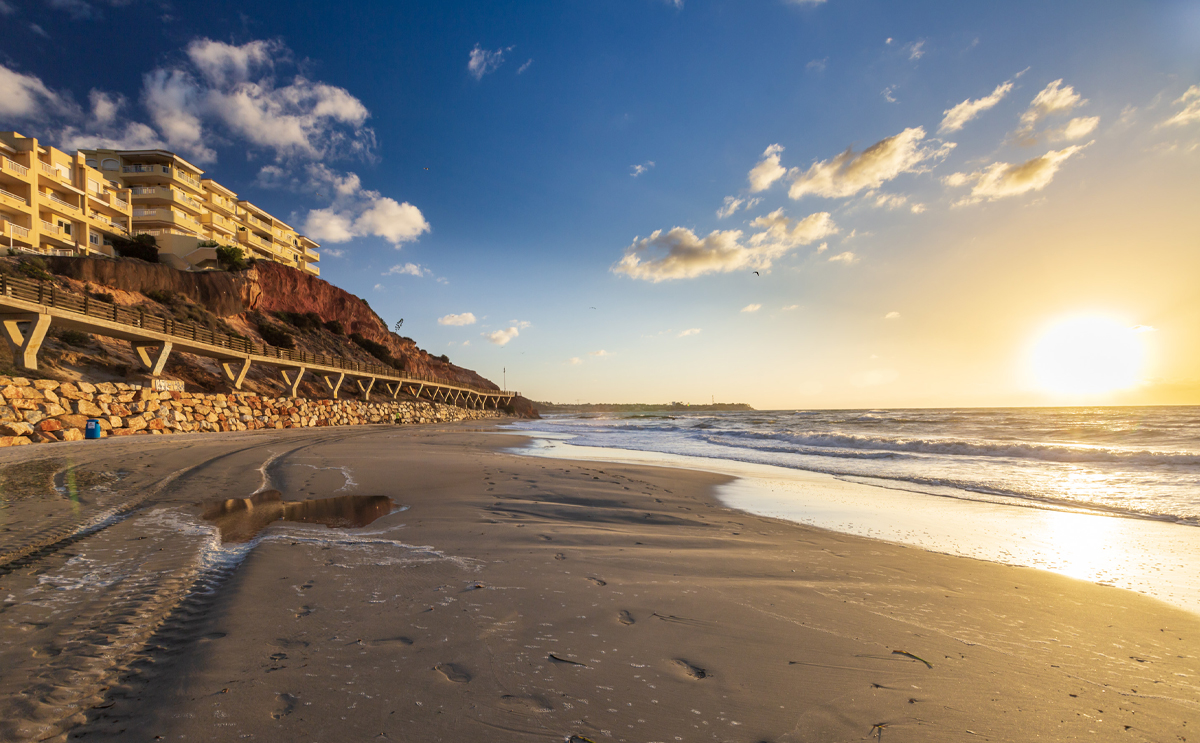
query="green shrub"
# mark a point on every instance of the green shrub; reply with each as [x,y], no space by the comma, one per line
[378,350]
[335,327]
[276,336]
[162,296]
[74,337]
[143,246]
[444,359]
[34,268]
[231,257]
[301,320]
[102,296]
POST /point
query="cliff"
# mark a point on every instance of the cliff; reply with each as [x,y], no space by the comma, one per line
[268,303]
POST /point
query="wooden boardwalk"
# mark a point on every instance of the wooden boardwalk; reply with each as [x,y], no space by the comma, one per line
[29,308]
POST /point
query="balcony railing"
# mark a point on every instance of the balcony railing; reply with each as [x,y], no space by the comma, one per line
[145,169]
[57,172]
[256,221]
[12,195]
[16,230]
[51,228]
[168,193]
[16,167]
[120,203]
[67,204]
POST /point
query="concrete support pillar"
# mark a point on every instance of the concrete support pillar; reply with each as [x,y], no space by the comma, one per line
[235,370]
[393,390]
[334,386]
[294,384]
[365,390]
[25,343]
[154,363]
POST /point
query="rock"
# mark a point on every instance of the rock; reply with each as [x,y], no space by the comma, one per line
[45,384]
[135,423]
[48,426]
[52,409]
[7,414]
[86,388]
[107,388]
[20,381]
[69,391]
[34,416]
[90,409]
[71,434]
[73,421]
[14,441]
[16,428]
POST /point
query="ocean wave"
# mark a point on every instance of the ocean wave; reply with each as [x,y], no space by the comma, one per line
[814,442]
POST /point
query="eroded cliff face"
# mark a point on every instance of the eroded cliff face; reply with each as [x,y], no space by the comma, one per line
[239,300]
[279,288]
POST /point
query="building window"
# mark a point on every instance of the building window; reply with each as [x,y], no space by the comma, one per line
[91,163]
[108,241]
[93,238]
[109,164]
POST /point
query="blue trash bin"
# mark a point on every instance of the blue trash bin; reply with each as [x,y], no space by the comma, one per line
[92,429]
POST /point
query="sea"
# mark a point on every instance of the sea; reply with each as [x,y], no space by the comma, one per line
[1136,461]
[1109,495]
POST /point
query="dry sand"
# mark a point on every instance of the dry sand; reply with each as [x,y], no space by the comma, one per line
[524,599]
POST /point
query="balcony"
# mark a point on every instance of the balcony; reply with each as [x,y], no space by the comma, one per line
[111,200]
[61,173]
[311,255]
[257,222]
[216,221]
[171,216]
[16,167]
[160,170]
[10,195]
[14,230]
[144,193]
[221,203]
[108,224]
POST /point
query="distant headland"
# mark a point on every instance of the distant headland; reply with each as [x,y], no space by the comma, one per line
[674,407]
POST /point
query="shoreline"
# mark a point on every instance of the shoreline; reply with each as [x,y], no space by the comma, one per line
[519,598]
[1158,561]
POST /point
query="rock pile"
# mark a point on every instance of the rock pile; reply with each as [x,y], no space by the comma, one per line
[42,411]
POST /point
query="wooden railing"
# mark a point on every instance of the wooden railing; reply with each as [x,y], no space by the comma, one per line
[50,295]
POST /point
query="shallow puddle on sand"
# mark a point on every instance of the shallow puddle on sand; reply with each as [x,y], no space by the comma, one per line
[241,519]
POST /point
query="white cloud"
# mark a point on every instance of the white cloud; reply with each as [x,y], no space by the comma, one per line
[483,61]
[751,308]
[787,233]
[681,254]
[957,116]
[1076,128]
[791,307]
[6,9]
[888,200]
[502,337]
[1000,180]
[767,171]
[526,66]
[850,172]
[893,315]
[917,208]
[825,246]
[78,10]
[887,94]
[379,287]
[601,352]
[1191,111]
[333,253]
[1054,99]
[817,65]
[731,205]
[39,30]
[26,97]
[357,211]
[466,318]
[916,49]
[407,269]
[574,361]
[678,4]
[689,331]
[636,170]
[847,258]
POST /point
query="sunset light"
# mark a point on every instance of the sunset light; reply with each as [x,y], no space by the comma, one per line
[1087,355]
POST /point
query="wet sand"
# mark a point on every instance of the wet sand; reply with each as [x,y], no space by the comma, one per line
[521,598]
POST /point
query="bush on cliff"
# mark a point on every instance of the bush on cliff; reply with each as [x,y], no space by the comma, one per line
[143,247]
[276,336]
[378,350]
[34,268]
[232,258]
[335,327]
[301,320]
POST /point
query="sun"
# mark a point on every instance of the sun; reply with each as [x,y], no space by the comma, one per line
[1088,355]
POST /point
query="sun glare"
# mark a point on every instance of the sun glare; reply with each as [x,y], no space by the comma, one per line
[1088,355]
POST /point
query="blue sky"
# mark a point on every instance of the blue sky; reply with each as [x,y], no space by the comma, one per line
[522,156]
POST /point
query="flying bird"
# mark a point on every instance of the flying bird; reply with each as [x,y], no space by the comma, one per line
[756,273]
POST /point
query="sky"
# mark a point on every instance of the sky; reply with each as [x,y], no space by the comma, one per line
[792,204]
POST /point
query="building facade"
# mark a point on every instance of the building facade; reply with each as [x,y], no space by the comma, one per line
[175,202]
[54,203]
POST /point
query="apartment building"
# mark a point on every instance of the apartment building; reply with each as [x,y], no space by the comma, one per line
[53,203]
[173,201]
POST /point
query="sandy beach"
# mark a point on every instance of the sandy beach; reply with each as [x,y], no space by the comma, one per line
[511,598]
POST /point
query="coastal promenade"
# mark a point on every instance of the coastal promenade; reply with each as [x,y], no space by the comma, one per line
[28,309]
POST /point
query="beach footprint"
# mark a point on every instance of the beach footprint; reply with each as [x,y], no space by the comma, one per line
[525,704]
[625,617]
[453,672]
[598,581]
[690,670]
[285,706]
